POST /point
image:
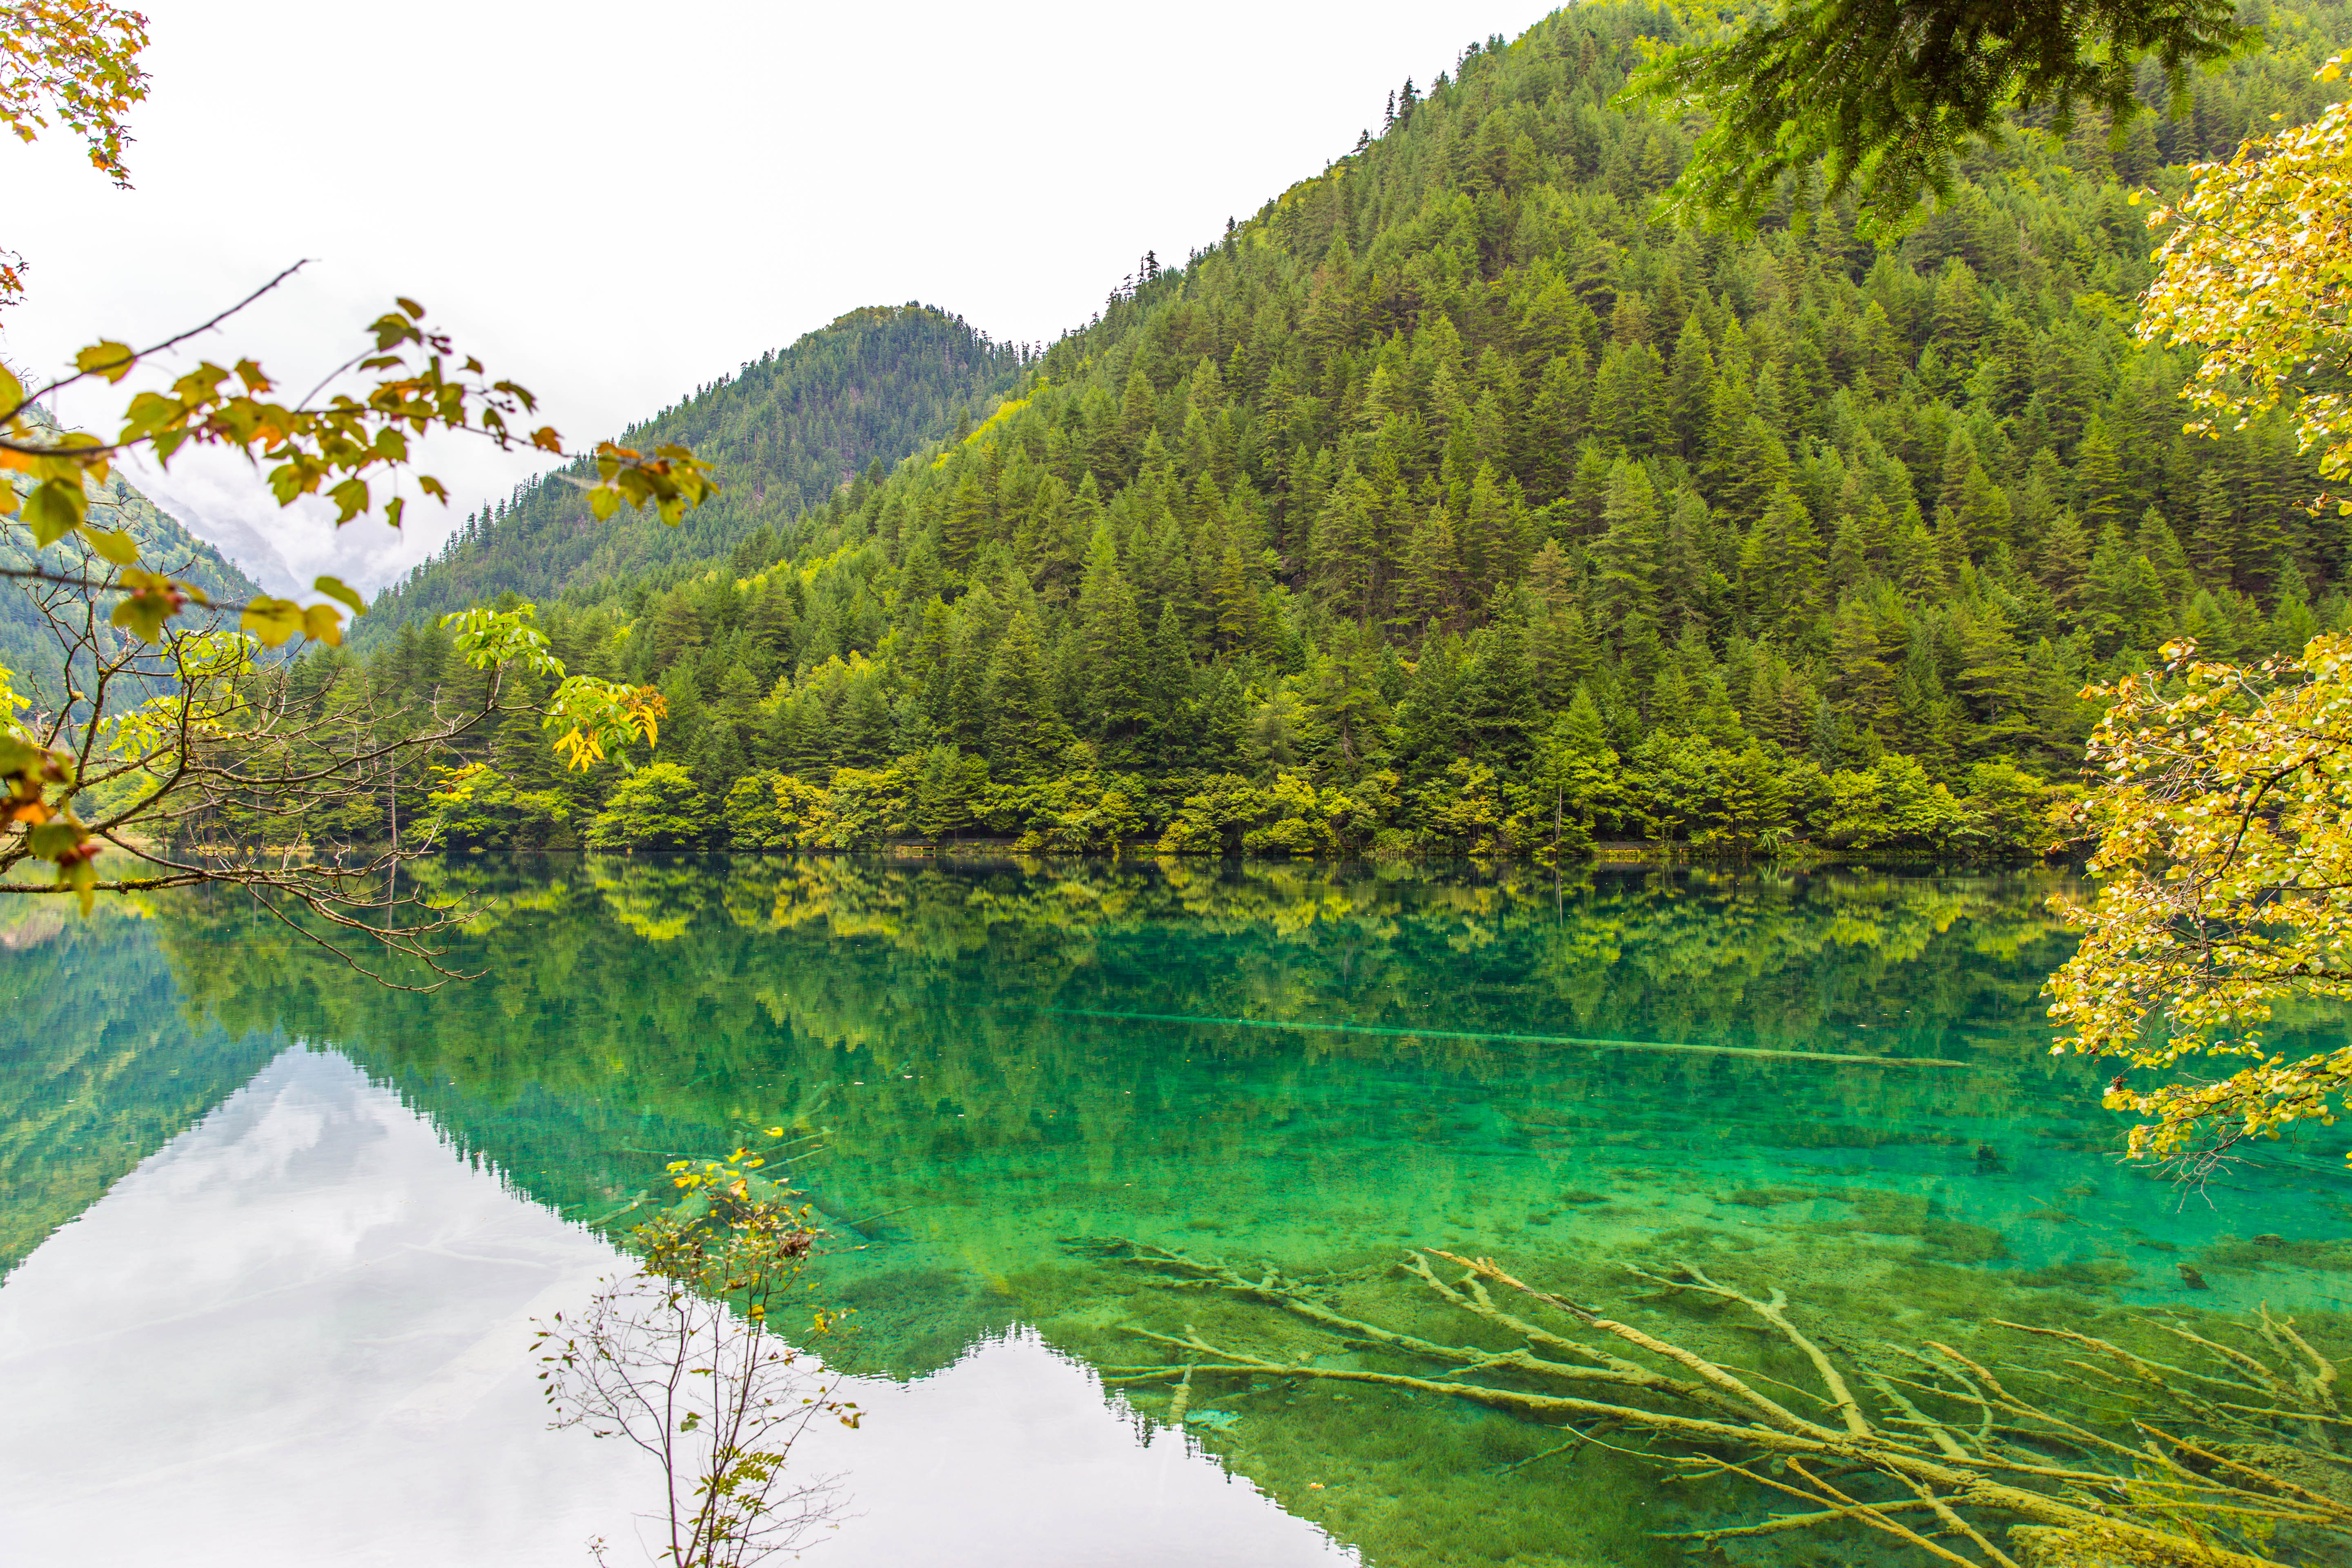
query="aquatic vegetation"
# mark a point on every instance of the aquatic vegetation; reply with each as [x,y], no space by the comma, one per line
[2105,1454]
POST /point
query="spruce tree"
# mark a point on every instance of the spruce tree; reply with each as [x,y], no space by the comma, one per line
[1626,557]
[1111,640]
[2099,498]
[1023,733]
[678,630]
[1500,717]
[968,521]
[1690,389]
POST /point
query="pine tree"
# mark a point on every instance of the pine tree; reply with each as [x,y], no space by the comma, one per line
[1490,544]
[1219,725]
[1585,513]
[967,522]
[1168,690]
[862,735]
[1238,603]
[1430,719]
[1690,389]
[1429,589]
[1918,565]
[1626,557]
[1138,409]
[1346,704]
[1342,552]
[678,630]
[2110,611]
[1995,688]
[1024,733]
[1923,713]
[1111,635]
[1958,328]
[1984,513]
[1629,410]
[1500,717]
[1782,561]
[2065,561]
[1865,680]
[1558,419]
[2157,542]
[2215,547]
[1561,657]
[2099,498]
[1586,732]
[1756,464]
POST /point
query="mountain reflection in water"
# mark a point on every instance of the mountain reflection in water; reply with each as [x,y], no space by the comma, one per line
[303,1333]
[1838,1083]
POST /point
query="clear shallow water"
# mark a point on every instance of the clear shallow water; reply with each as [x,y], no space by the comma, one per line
[1010,1066]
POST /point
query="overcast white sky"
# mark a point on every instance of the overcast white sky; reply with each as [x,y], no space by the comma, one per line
[614,204]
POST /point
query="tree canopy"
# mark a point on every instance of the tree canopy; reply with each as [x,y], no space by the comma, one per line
[1886,95]
[2224,823]
[2254,272]
[1447,504]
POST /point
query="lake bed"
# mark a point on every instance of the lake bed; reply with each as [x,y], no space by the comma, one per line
[290,1227]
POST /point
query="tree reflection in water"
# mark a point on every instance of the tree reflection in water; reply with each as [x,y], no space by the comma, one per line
[680,1359]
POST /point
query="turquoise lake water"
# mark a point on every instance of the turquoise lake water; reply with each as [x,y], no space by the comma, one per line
[1010,1076]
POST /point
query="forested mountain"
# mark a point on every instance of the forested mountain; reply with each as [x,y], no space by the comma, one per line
[1448,502]
[26,647]
[785,432]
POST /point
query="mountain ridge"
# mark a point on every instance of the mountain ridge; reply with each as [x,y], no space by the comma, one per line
[1447,504]
[784,432]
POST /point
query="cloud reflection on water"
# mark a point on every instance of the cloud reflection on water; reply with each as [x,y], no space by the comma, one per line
[300,1332]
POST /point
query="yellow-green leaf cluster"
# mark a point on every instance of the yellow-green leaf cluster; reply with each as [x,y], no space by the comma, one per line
[597,715]
[2258,274]
[77,60]
[2224,841]
[487,640]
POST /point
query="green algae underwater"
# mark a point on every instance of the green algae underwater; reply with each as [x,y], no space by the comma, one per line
[1010,1078]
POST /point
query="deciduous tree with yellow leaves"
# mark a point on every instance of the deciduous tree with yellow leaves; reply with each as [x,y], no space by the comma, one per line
[2257,274]
[2224,821]
[2225,827]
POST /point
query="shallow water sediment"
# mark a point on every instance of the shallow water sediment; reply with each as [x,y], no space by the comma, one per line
[1835,1083]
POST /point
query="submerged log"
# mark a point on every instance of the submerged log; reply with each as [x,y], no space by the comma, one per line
[2126,1461]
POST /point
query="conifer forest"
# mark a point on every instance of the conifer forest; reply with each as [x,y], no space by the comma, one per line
[1622,836]
[1446,504]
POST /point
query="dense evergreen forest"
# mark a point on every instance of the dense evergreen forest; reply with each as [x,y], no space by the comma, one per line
[787,431]
[1448,504]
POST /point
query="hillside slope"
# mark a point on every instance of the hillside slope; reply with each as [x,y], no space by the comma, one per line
[787,431]
[1448,500]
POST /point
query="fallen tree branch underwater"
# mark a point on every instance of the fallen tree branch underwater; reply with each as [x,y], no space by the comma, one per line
[2148,1464]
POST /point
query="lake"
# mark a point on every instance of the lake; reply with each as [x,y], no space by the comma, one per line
[277,1235]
